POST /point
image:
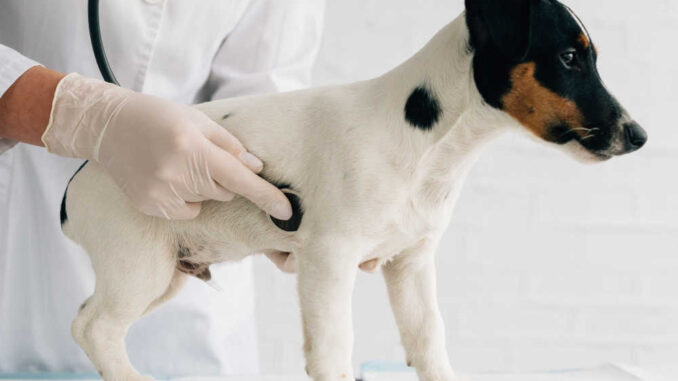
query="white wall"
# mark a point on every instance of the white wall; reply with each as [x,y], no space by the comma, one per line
[547,263]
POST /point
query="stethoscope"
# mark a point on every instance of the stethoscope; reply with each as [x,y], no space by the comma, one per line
[97,44]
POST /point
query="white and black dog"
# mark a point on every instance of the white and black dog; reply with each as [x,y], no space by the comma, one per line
[373,170]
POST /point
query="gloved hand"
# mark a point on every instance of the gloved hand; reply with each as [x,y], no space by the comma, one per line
[166,157]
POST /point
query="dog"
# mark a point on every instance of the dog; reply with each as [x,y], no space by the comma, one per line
[372,169]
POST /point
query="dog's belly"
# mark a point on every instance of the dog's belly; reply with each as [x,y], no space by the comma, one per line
[382,254]
[195,258]
[401,237]
[411,227]
[227,232]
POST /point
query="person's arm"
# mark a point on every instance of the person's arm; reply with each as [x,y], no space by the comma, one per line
[12,66]
[25,107]
[166,157]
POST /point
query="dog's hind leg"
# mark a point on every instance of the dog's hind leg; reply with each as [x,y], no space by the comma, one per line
[129,283]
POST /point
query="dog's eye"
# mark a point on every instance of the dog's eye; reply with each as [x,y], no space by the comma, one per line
[569,58]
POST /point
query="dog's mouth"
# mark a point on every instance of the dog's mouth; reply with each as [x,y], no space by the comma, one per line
[603,143]
[616,141]
[593,144]
[602,156]
[598,148]
[585,144]
[598,154]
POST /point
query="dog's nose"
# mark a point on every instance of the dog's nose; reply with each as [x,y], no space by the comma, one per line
[636,137]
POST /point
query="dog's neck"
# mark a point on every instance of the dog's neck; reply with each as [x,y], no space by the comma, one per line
[439,158]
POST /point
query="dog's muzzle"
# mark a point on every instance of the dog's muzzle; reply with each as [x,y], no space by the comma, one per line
[635,137]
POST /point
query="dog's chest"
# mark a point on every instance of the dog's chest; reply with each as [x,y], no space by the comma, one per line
[406,229]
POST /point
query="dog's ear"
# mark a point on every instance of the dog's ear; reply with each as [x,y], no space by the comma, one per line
[507,24]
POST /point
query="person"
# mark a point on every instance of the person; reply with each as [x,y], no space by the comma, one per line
[166,157]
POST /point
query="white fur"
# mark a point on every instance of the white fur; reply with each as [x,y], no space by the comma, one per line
[374,189]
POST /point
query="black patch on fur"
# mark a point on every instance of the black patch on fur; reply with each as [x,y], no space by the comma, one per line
[422,109]
[186,266]
[500,38]
[198,270]
[62,214]
[183,252]
[225,116]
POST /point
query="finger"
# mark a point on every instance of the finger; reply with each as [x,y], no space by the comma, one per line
[224,139]
[206,189]
[251,161]
[172,207]
[177,211]
[161,201]
[188,211]
[234,176]
[219,193]
[196,183]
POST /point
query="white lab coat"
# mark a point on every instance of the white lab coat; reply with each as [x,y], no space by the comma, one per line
[188,51]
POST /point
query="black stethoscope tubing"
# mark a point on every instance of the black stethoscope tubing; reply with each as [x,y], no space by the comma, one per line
[97,44]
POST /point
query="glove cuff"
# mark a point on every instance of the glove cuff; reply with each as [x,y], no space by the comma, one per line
[81,110]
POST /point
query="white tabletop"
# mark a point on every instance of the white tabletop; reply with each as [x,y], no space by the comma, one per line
[604,373]
[382,372]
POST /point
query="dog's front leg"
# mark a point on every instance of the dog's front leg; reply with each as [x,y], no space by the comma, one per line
[411,282]
[326,275]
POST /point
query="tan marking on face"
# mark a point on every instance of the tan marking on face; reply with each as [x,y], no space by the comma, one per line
[537,107]
[584,41]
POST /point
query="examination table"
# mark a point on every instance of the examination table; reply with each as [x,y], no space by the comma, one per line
[382,371]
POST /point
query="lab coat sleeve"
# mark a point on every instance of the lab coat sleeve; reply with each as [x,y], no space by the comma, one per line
[12,65]
[272,49]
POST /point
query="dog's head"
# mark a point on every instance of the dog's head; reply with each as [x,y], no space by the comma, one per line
[534,60]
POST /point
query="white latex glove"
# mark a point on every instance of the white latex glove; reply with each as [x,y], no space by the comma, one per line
[165,156]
